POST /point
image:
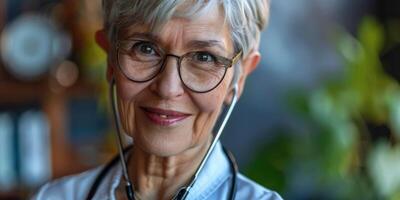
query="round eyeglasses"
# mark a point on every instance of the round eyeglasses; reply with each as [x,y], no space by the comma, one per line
[200,71]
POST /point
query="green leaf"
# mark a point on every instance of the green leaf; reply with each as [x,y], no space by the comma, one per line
[371,35]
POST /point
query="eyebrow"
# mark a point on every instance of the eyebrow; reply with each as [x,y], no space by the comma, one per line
[149,36]
[195,44]
[206,43]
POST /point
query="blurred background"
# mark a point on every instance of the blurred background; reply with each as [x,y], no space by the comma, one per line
[319,118]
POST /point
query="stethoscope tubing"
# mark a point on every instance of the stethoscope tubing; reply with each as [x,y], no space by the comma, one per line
[183,192]
[128,184]
[102,174]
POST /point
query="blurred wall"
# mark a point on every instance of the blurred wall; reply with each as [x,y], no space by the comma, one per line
[298,51]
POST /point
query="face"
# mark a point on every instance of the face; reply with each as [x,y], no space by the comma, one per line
[163,116]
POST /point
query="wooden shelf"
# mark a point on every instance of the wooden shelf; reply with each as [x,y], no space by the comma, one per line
[11,196]
[14,92]
[53,100]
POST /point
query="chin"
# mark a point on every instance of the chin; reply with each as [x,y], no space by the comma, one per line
[164,144]
[165,149]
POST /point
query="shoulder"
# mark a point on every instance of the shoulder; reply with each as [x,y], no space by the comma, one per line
[248,189]
[69,187]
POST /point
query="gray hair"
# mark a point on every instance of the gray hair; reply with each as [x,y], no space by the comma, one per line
[245,18]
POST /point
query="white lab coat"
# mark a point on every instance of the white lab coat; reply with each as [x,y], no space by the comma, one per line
[214,183]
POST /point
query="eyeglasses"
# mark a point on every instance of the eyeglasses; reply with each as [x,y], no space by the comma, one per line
[200,71]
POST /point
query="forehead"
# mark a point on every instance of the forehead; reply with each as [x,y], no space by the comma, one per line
[156,13]
[208,25]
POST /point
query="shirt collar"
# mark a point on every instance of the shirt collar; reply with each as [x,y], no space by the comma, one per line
[106,190]
[215,172]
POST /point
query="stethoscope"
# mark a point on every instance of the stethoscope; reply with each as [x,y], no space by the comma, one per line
[184,191]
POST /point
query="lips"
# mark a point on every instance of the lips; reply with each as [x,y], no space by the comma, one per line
[164,117]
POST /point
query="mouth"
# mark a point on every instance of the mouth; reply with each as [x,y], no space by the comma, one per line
[164,117]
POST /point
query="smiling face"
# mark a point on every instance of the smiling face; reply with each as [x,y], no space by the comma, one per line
[164,117]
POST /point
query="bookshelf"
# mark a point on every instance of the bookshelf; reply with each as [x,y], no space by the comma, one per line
[17,95]
[70,144]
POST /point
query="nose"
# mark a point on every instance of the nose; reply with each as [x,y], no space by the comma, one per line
[167,84]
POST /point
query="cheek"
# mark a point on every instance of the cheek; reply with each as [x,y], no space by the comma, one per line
[127,89]
[127,115]
[212,101]
[209,105]
[127,96]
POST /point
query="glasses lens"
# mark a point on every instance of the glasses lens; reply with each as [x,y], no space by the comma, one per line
[140,62]
[201,72]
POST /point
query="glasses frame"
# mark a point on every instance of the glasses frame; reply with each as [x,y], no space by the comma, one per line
[227,63]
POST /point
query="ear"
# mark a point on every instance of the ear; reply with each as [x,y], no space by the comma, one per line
[248,65]
[103,41]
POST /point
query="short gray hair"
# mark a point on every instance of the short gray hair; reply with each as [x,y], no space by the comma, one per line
[245,18]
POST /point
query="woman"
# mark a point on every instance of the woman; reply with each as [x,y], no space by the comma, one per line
[174,65]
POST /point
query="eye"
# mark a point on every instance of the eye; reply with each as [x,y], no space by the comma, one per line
[145,48]
[203,57]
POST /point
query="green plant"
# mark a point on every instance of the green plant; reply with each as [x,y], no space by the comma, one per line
[348,147]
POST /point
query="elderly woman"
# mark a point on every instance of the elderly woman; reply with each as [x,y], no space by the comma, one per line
[174,64]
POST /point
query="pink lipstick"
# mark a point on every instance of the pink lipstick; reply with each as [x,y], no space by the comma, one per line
[164,117]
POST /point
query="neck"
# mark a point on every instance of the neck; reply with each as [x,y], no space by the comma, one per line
[157,177]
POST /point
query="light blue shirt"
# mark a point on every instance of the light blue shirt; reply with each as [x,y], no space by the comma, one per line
[213,183]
